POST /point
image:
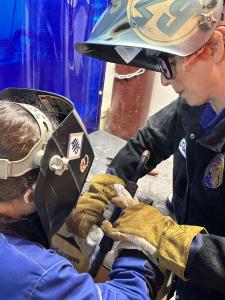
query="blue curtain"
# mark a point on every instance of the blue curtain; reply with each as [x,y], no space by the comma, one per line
[37,40]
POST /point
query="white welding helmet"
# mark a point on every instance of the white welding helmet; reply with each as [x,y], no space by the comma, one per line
[133,31]
[64,155]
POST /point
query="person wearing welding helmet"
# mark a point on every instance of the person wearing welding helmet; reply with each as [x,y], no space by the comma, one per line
[45,156]
[185,42]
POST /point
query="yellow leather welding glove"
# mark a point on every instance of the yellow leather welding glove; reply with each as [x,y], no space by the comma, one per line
[91,205]
[157,235]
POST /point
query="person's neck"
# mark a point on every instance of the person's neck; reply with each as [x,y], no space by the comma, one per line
[12,209]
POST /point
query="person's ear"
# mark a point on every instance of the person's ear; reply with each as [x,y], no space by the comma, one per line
[29,195]
[216,45]
[213,50]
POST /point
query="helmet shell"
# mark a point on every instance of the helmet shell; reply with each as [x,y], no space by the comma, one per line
[132,31]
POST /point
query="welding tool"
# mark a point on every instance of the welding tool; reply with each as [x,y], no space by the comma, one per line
[106,242]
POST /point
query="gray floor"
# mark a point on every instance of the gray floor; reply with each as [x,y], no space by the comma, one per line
[157,188]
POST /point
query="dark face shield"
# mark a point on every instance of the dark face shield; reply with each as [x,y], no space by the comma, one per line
[66,159]
[111,54]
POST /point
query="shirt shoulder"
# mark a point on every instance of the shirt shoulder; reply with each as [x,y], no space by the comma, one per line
[25,266]
[29,253]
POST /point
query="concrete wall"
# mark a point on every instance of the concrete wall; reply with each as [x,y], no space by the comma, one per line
[107,95]
[162,95]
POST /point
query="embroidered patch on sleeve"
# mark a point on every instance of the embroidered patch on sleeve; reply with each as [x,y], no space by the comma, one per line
[213,177]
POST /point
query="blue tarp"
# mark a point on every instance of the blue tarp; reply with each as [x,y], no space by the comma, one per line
[37,40]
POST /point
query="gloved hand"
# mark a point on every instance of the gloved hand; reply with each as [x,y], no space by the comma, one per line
[157,235]
[124,200]
[91,205]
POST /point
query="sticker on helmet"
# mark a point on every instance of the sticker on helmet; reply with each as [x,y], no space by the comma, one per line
[127,53]
[167,22]
[84,163]
[75,145]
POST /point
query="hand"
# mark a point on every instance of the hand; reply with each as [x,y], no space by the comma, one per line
[91,205]
[157,235]
[123,198]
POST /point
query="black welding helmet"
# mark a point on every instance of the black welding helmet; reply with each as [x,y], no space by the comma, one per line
[134,31]
[64,155]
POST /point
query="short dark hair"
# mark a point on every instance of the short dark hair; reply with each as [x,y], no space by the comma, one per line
[19,133]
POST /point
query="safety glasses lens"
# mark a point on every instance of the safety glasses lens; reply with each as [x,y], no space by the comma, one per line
[165,67]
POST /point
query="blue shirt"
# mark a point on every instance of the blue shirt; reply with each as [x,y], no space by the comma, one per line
[29,271]
[209,118]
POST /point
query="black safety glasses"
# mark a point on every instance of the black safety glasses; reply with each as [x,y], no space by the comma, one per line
[164,65]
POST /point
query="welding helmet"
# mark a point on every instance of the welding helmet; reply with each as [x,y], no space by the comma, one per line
[134,31]
[63,155]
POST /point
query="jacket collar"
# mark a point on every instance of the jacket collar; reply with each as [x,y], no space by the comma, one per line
[191,116]
[216,139]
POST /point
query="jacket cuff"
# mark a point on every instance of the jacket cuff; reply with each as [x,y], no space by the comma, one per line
[175,246]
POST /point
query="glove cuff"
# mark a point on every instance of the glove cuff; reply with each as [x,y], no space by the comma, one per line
[175,245]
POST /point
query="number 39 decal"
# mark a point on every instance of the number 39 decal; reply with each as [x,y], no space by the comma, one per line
[173,21]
